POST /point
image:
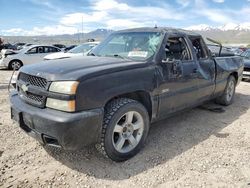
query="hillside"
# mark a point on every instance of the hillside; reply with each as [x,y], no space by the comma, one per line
[227,34]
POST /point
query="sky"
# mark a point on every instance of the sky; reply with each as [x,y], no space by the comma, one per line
[52,17]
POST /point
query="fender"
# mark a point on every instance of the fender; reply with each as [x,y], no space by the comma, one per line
[97,91]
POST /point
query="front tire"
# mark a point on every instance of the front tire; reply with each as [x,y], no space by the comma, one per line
[229,92]
[125,129]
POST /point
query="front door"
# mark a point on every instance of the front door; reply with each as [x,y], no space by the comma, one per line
[179,86]
[31,56]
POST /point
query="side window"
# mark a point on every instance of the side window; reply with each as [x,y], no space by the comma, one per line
[40,50]
[51,49]
[199,48]
[46,50]
[32,51]
[177,49]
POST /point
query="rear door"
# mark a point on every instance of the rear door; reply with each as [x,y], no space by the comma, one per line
[49,50]
[206,70]
[179,87]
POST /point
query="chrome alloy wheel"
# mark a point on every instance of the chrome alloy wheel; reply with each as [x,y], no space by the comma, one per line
[230,90]
[15,65]
[128,132]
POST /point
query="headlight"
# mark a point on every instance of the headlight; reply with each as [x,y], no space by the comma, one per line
[64,87]
[67,106]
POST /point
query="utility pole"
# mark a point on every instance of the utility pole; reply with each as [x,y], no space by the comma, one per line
[82,30]
[78,36]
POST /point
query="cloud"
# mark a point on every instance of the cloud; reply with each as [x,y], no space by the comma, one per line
[139,13]
[76,18]
[219,1]
[183,3]
[123,23]
[109,5]
[215,15]
[114,14]
[48,30]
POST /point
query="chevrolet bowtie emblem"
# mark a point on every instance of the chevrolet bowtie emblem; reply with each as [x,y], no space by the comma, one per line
[24,88]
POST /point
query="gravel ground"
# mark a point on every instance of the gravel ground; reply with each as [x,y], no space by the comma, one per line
[197,148]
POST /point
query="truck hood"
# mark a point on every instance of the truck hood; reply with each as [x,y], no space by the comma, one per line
[79,68]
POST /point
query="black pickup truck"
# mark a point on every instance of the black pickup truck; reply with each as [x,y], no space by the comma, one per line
[110,98]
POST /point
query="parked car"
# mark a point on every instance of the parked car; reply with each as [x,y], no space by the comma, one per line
[9,46]
[19,45]
[28,55]
[61,46]
[80,50]
[224,51]
[246,54]
[69,48]
[131,79]
[237,51]
[246,59]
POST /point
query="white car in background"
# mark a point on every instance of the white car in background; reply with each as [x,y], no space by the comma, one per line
[28,55]
[80,50]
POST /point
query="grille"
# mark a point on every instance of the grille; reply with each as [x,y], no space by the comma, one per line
[36,98]
[32,98]
[33,80]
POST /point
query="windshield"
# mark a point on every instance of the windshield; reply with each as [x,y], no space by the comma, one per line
[82,48]
[246,54]
[130,45]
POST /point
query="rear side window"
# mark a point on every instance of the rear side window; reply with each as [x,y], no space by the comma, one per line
[48,49]
[199,47]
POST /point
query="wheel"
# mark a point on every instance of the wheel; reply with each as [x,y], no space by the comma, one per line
[15,64]
[125,129]
[229,92]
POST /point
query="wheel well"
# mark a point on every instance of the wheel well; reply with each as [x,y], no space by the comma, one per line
[235,74]
[15,60]
[141,96]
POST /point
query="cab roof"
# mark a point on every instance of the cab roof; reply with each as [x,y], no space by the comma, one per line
[161,29]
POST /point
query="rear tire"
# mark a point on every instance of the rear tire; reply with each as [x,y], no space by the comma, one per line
[228,95]
[15,64]
[125,129]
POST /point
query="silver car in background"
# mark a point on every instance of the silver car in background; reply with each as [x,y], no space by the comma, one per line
[28,55]
[80,50]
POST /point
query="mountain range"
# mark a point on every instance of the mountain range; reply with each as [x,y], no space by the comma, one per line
[226,27]
[235,34]
[228,34]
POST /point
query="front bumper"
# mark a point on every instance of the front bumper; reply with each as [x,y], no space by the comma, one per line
[246,74]
[70,131]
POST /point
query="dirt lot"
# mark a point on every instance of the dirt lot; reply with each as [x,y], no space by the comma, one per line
[198,148]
